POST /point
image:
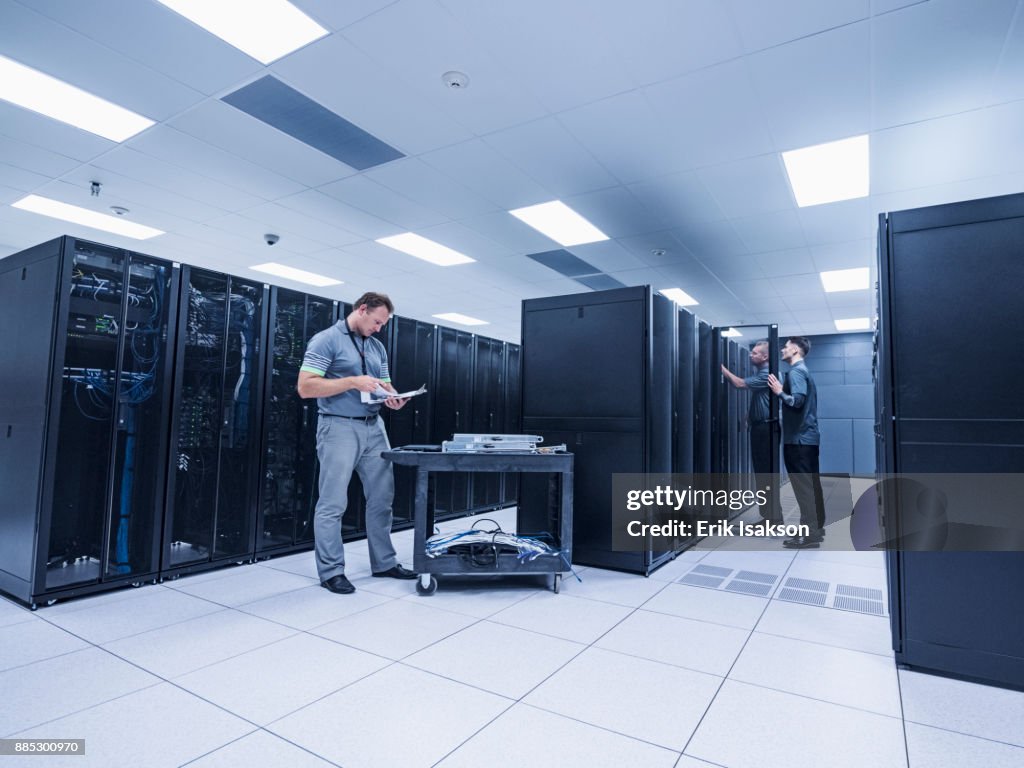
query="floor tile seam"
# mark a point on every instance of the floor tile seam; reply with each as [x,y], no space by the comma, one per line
[212,663]
[409,665]
[659,661]
[692,618]
[25,620]
[281,623]
[41,661]
[604,728]
[888,656]
[853,707]
[903,714]
[312,583]
[101,643]
[494,620]
[154,684]
[82,601]
[473,735]
[963,733]
[701,760]
[721,684]
[222,746]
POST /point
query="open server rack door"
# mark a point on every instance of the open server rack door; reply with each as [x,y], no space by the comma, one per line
[453,396]
[214,462]
[957,612]
[100,322]
[412,365]
[567,343]
[288,490]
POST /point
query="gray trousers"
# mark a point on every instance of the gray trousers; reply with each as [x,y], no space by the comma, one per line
[344,445]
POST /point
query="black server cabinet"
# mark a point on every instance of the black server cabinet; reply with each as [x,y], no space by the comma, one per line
[958,613]
[616,338]
[453,395]
[513,416]
[85,369]
[685,388]
[705,381]
[214,463]
[487,414]
[412,364]
[289,470]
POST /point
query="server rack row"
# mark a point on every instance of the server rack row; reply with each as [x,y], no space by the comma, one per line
[151,425]
[949,277]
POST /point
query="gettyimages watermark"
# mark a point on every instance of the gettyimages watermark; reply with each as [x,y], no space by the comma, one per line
[909,512]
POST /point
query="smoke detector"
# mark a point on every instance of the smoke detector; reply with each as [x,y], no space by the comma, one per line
[119,210]
[455,80]
[658,251]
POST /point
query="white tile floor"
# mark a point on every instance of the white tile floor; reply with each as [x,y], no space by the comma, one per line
[258,666]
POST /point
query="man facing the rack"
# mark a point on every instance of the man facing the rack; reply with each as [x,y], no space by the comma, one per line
[341,362]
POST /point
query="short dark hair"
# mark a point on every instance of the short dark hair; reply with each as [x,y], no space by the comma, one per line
[373,300]
[801,341]
[759,343]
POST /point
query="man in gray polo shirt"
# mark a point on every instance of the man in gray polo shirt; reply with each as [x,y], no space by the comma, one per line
[340,362]
[800,440]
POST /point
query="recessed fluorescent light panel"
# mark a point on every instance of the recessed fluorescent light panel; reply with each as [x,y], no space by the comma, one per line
[853,324]
[559,222]
[298,275]
[264,29]
[730,333]
[54,98]
[425,249]
[455,317]
[827,173]
[679,296]
[837,280]
[87,218]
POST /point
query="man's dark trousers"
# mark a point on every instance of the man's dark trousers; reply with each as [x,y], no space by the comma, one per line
[804,473]
[761,447]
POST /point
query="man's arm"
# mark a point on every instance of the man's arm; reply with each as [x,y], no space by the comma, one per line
[735,380]
[797,389]
[316,385]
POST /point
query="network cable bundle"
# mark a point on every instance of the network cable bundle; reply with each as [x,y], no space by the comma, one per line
[482,443]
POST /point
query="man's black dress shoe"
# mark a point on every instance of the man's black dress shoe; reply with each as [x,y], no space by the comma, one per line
[802,542]
[339,585]
[397,572]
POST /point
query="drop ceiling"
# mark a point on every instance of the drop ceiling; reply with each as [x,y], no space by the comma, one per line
[661,121]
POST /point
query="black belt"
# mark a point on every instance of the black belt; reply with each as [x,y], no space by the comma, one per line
[367,419]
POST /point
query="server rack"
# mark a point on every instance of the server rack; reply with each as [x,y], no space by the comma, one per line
[214,463]
[685,385]
[618,338]
[452,399]
[958,613]
[513,416]
[487,414]
[289,468]
[85,374]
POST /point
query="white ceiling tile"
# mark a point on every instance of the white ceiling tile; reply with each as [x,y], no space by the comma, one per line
[19,178]
[274,217]
[765,305]
[424,184]
[505,229]
[878,7]
[466,240]
[1008,83]
[808,300]
[708,240]
[556,48]
[678,198]
[792,262]
[232,130]
[751,186]
[608,256]
[480,168]
[253,231]
[847,255]
[346,81]
[192,154]
[335,15]
[764,24]
[656,248]
[626,137]
[816,89]
[936,58]
[352,267]
[730,268]
[61,52]
[711,116]
[660,39]
[776,231]
[838,222]
[34,158]
[546,151]
[847,300]
[142,167]
[797,285]
[418,41]
[616,212]
[209,66]
[755,289]
[328,209]
[366,194]
[35,130]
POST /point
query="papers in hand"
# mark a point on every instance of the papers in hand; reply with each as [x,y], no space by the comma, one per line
[380,394]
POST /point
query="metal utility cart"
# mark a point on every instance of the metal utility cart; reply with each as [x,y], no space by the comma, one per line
[558,465]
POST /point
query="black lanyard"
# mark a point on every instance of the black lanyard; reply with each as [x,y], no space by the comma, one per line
[361,352]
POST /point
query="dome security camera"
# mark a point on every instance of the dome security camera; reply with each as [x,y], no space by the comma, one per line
[271,239]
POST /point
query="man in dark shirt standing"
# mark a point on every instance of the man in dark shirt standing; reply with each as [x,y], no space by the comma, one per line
[800,440]
[759,416]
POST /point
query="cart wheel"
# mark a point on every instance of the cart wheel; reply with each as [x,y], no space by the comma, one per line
[136,584]
[558,582]
[426,589]
[52,601]
[34,607]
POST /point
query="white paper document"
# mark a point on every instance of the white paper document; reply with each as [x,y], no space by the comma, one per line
[380,394]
